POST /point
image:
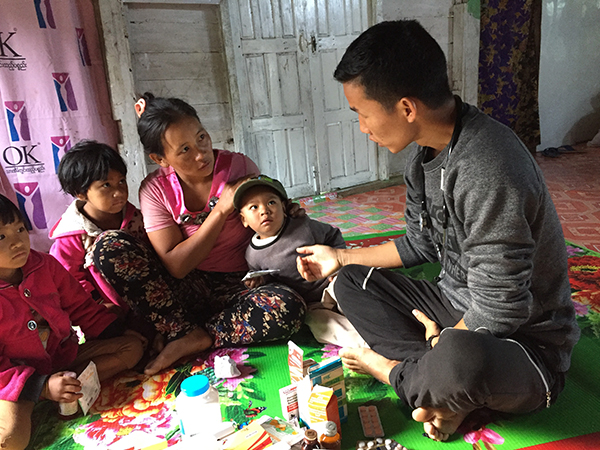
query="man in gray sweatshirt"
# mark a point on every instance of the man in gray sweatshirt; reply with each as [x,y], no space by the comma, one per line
[496,330]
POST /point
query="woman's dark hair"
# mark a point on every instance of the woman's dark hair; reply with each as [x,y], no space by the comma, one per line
[398,59]
[86,162]
[160,113]
[9,213]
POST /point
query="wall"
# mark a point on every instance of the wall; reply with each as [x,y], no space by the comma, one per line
[434,15]
[177,51]
[569,89]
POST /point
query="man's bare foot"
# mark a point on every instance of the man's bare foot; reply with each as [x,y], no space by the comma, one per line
[438,423]
[194,342]
[367,361]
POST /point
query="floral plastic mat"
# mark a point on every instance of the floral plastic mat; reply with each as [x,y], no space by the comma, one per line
[134,410]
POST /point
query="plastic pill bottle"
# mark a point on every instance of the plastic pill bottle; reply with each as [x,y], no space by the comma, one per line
[198,407]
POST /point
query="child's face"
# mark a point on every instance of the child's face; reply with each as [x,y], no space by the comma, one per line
[14,248]
[262,211]
[188,149]
[106,196]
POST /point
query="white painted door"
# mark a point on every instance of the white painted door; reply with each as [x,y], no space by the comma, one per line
[289,113]
[346,157]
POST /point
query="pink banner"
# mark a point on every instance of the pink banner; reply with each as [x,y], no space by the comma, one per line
[53,93]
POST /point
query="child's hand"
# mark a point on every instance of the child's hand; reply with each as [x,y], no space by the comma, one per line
[254,282]
[294,210]
[60,387]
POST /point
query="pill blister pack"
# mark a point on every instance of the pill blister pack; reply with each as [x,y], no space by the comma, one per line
[369,419]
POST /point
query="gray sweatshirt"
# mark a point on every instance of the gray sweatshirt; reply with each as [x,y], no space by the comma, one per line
[504,256]
[281,254]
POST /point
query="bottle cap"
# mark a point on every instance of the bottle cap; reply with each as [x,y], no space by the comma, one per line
[195,385]
[311,435]
[330,429]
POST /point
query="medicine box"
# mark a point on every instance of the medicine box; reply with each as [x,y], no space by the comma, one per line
[330,373]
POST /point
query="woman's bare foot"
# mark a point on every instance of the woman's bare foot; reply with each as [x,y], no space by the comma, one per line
[367,361]
[194,342]
[438,423]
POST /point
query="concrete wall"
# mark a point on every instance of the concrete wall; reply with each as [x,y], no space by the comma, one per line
[569,88]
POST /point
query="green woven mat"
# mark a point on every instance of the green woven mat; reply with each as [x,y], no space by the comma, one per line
[136,404]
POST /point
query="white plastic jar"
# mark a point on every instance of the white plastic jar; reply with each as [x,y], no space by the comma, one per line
[198,407]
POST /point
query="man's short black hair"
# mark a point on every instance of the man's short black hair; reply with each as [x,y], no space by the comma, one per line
[9,213]
[86,162]
[398,59]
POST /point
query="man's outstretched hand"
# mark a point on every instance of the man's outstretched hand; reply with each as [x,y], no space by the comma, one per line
[317,261]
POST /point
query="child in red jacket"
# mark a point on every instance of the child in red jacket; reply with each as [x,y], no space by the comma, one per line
[39,303]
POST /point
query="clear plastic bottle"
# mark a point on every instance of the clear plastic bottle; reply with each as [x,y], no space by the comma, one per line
[198,408]
[331,438]
[311,440]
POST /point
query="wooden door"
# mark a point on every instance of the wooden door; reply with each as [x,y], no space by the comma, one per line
[346,157]
[290,115]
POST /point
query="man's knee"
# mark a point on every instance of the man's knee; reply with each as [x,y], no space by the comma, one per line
[469,370]
[350,279]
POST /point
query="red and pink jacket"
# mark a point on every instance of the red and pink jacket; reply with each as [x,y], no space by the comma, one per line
[53,292]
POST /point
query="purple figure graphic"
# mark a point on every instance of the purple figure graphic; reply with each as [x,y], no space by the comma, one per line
[18,124]
[83,48]
[30,197]
[60,146]
[40,15]
[62,82]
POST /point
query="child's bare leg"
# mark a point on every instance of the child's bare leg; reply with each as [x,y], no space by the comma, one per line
[111,356]
[15,424]
[195,341]
[438,423]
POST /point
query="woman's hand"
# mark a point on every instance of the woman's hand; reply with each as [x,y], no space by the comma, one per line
[225,202]
[317,262]
[62,387]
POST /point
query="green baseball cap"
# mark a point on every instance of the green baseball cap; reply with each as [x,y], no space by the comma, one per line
[261,180]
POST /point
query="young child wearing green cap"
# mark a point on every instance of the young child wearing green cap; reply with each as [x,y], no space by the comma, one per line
[261,202]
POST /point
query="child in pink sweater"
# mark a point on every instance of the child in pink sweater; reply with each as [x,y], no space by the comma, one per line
[95,175]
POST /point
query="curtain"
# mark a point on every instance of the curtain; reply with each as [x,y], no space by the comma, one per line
[53,93]
[509,65]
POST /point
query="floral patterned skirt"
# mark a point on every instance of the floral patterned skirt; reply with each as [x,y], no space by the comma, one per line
[217,301]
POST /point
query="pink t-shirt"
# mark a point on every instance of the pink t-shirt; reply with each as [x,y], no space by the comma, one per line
[163,205]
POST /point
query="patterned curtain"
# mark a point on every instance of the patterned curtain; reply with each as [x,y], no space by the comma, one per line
[53,93]
[509,58]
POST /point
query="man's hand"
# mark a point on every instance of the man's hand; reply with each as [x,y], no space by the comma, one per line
[432,329]
[319,261]
[63,388]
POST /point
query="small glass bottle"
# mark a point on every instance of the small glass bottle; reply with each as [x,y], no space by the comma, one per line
[331,439]
[310,440]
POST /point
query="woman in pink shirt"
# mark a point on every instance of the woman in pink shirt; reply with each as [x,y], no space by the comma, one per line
[189,285]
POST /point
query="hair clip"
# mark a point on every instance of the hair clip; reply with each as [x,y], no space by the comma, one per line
[140,107]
